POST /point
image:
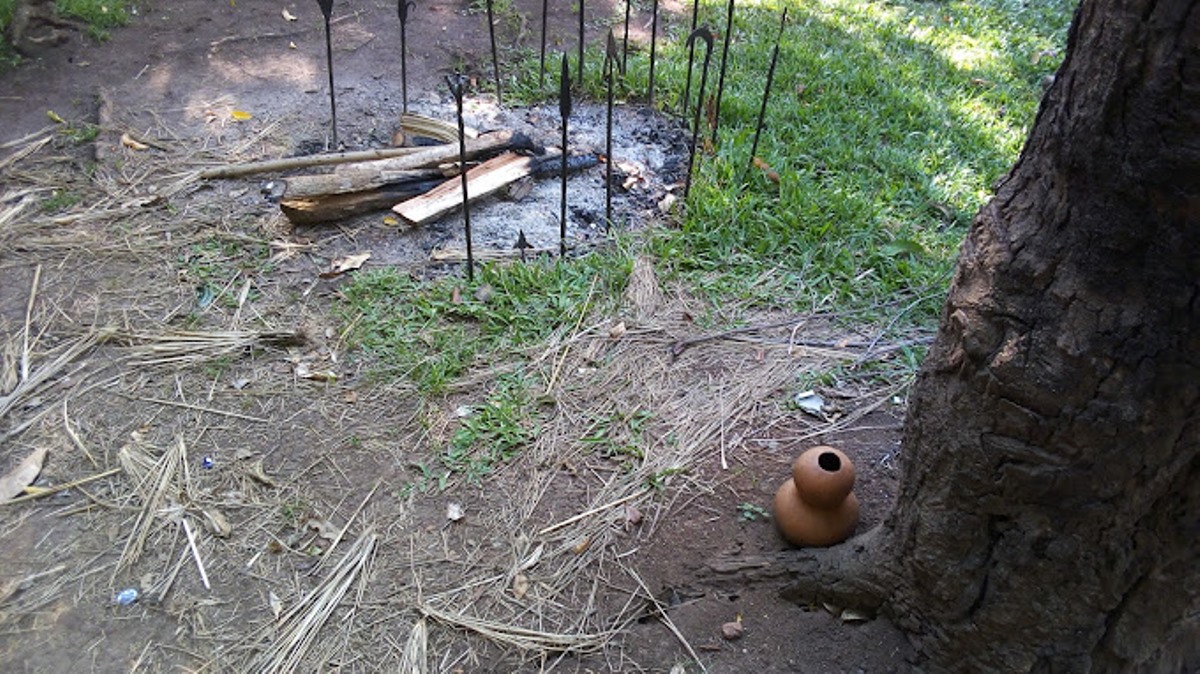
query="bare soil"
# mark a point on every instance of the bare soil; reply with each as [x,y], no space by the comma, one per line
[290,488]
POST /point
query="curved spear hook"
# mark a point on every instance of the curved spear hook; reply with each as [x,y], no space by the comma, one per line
[705,34]
[402,8]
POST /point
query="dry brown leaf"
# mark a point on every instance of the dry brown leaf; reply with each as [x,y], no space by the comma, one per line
[520,586]
[129,142]
[15,481]
[276,604]
[216,523]
[344,264]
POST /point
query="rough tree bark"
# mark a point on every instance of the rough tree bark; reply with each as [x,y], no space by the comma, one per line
[1049,514]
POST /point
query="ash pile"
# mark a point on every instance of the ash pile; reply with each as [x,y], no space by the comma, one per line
[514,176]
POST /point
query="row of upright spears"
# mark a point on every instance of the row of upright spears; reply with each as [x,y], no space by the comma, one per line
[615,60]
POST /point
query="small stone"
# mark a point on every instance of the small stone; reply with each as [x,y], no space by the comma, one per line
[732,631]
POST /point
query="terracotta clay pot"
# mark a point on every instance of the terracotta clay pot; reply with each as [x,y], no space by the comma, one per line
[817,507]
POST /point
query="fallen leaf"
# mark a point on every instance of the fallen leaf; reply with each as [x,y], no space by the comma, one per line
[733,631]
[350,397]
[484,293]
[288,16]
[276,604]
[533,558]
[241,115]
[55,117]
[766,169]
[324,528]
[306,371]
[216,523]
[520,586]
[582,546]
[344,264]
[617,331]
[256,472]
[15,481]
[454,511]
[391,221]
[132,144]
[667,203]
[456,295]
[292,45]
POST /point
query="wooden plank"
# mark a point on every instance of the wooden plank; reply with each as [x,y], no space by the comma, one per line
[483,180]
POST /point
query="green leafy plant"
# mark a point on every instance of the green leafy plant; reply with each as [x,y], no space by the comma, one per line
[492,433]
[752,513]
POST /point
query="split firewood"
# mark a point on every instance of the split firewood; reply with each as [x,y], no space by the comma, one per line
[328,184]
[318,208]
[483,180]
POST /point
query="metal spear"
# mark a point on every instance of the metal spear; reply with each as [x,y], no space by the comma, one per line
[491,19]
[564,109]
[653,52]
[704,34]
[762,111]
[402,8]
[542,58]
[610,66]
[625,42]
[458,84]
[724,63]
[687,89]
[327,11]
[580,45]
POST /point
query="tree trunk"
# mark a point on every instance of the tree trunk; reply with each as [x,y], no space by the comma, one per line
[1049,514]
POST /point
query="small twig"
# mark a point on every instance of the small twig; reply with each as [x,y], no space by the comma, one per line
[37,275]
[191,539]
[341,534]
[198,408]
[666,619]
[588,513]
[563,357]
[75,437]
[680,346]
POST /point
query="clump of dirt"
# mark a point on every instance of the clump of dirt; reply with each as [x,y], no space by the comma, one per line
[215,447]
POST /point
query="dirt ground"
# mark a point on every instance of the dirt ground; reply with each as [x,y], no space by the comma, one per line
[164,338]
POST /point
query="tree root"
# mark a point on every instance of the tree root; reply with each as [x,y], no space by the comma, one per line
[852,574]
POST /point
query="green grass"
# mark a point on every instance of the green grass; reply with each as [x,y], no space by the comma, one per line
[888,123]
[432,332]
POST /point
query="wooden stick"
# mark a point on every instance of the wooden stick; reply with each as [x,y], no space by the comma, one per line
[37,275]
[288,163]
[191,539]
[199,408]
[588,513]
[495,141]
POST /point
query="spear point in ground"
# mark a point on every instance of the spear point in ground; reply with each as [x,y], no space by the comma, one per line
[580,75]
[762,111]
[611,64]
[522,243]
[491,19]
[702,33]
[402,8]
[724,63]
[653,52]
[327,11]
[542,56]
[564,108]
[458,85]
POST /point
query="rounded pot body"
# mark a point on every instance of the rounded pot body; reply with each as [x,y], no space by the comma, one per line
[803,524]
[824,476]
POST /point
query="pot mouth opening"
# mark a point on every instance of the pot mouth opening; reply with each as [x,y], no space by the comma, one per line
[829,461]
